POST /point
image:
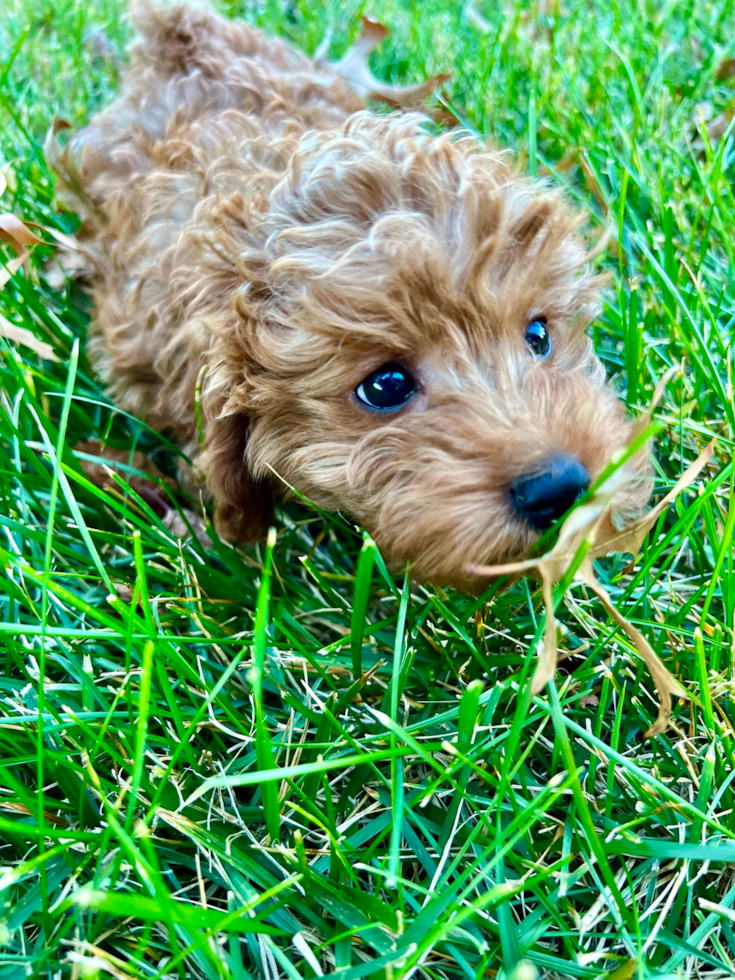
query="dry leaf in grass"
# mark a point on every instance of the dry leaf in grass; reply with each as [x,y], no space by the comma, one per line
[10,268]
[355,71]
[20,335]
[587,534]
[726,69]
[17,233]
[22,239]
[179,527]
[94,458]
[716,126]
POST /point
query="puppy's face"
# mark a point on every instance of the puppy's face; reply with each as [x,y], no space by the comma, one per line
[416,353]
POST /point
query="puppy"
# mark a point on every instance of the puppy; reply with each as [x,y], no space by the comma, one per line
[391,323]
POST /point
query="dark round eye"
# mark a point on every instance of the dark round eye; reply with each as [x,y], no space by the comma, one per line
[386,389]
[537,337]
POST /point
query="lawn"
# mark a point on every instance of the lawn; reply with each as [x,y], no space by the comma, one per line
[284,761]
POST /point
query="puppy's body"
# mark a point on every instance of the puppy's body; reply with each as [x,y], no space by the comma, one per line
[256,232]
[175,173]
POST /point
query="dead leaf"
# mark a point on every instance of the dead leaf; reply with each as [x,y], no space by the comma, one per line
[13,807]
[95,460]
[664,681]
[589,532]
[20,335]
[719,125]
[76,262]
[13,230]
[123,591]
[631,537]
[716,126]
[353,67]
[180,529]
[12,267]
[60,237]
[726,69]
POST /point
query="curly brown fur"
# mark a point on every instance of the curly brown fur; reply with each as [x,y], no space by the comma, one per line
[253,224]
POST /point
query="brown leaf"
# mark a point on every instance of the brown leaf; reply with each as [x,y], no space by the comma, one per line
[719,125]
[123,591]
[726,69]
[664,681]
[94,459]
[68,241]
[13,230]
[589,532]
[630,538]
[180,529]
[20,335]
[14,807]
[12,267]
[547,655]
[355,71]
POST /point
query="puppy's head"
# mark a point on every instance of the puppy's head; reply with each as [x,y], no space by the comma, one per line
[411,350]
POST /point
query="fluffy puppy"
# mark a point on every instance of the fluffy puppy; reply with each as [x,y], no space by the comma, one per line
[389,322]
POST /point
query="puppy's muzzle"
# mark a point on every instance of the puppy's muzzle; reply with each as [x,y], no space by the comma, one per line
[543,497]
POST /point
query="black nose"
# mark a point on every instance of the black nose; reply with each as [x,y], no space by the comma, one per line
[543,497]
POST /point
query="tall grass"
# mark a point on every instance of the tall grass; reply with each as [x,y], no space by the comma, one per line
[282,762]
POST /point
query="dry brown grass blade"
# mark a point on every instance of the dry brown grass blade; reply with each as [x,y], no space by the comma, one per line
[664,681]
[353,67]
[20,335]
[17,233]
[12,267]
[547,655]
[60,237]
[590,527]
[575,532]
[22,239]
[630,538]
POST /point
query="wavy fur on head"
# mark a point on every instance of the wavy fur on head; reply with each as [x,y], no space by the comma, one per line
[253,227]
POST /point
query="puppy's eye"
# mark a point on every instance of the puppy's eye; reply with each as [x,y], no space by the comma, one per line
[386,389]
[538,338]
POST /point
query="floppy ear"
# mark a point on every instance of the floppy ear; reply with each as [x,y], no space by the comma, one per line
[243,505]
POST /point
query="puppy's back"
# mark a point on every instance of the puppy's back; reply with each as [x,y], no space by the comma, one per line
[187,66]
[208,114]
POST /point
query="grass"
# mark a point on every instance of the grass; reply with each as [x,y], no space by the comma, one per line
[284,762]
